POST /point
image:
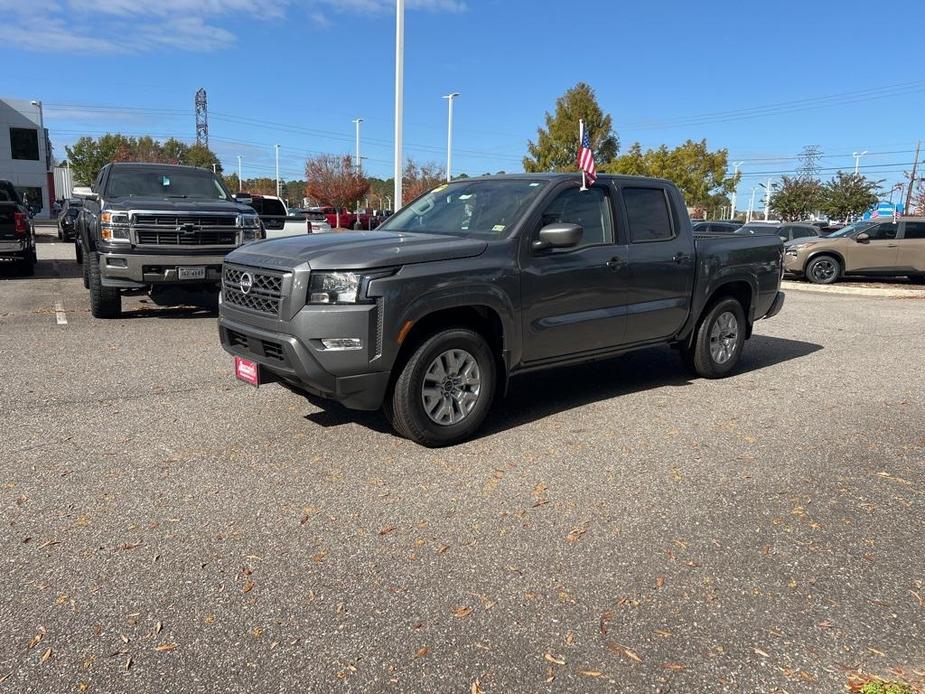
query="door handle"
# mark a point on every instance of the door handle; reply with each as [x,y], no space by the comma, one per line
[613,264]
[680,257]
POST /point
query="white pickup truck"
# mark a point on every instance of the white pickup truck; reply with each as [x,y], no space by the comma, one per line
[279,221]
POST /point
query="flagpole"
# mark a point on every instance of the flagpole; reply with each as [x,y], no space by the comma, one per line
[581,139]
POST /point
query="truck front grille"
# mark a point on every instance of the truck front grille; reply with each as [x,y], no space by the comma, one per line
[257,290]
[172,221]
[180,238]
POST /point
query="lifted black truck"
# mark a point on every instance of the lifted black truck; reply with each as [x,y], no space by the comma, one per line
[487,278]
[151,226]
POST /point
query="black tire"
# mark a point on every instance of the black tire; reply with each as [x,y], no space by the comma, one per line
[26,264]
[701,356]
[917,279]
[405,408]
[105,302]
[823,269]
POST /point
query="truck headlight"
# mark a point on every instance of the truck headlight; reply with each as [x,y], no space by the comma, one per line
[114,227]
[334,287]
[250,225]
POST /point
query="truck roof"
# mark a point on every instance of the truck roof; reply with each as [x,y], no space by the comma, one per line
[153,165]
[553,176]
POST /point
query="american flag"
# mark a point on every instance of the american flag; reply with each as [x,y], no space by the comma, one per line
[586,158]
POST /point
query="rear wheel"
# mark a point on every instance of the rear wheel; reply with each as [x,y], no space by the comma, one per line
[719,340]
[27,263]
[445,389]
[917,279]
[105,302]
[823,269]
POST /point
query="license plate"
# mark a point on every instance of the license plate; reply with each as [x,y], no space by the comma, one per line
[247,371]
[195,272]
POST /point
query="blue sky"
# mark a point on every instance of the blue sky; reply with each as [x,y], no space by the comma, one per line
[761,79]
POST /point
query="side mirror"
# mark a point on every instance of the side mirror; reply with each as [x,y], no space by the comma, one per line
[558,235]
[862,238]
[85,192]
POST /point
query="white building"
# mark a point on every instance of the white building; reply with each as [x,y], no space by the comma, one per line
[25,153]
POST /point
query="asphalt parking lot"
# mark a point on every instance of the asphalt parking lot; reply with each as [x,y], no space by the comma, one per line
[618,527]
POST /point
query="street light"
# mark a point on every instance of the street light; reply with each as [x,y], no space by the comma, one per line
[449,135]
[857,161]
[767,197]
[277,169]
[359,162]
[399,93]
[735,165]
[751,205]
[240,173]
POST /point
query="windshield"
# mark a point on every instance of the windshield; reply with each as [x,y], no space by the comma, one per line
[757,229]
[855,228]
[467,208]
[140,183]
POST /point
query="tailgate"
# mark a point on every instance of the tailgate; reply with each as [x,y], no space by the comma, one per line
[8,221]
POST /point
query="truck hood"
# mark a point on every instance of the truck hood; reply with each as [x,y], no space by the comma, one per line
[179,205]
[355,250]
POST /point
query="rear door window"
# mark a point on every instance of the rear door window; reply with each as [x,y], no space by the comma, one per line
[273,207]
[647,215]
[914,230]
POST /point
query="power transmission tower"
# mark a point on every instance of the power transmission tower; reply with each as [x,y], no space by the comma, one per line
[915,167]
[202,119]
[809,162]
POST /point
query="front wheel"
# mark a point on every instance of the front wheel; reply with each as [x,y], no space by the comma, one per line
[444,391]
[105,302]
[823,270]
[719,340]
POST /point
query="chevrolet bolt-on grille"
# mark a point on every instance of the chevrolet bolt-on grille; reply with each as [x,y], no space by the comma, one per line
[157,229]
[180,238]
[256,290]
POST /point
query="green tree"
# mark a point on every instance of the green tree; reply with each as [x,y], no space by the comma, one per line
[797,198]
[697,171]
[199,156]
[231,182]
[88,156]
[848,195]
[556,146]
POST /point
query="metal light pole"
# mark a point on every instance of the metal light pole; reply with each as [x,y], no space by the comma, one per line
[240,174]
[277,170]
[449,135]
[735,165]
[767,199]
[857,161]
[399,93]
[751,205]
[359,162]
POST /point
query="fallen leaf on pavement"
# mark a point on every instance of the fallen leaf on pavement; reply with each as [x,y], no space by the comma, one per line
[553,659]
[576,533]
[673,666]
[660,582]
[35,640]
[624,651]
[49,543]
[461,612]
[422,651]
[605,617]
[164,647]
[876,652]
[663,632]
[591,673]
[158,627]
[47,655]
[476,688]
[248,586]
[761,652]
[386,530]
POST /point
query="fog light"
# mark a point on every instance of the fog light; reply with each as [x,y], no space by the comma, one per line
[116,262]
[342,344]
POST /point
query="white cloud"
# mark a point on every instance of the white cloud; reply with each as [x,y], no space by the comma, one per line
[133,26]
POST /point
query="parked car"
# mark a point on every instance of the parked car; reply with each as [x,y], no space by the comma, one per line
[152,226]
[790,232]
[314,222]
[67,222]
[272,212]
[17,232]
[872,248]
[753,228]
[485,278]
[344,219]
[716,227]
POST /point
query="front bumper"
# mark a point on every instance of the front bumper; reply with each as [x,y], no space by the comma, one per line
[128,270]
[292,350]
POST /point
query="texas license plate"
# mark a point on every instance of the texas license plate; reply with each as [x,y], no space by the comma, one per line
[247,371]
[194,272]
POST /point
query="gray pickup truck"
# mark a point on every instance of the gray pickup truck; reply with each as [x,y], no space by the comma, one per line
[150,226]
[479,280]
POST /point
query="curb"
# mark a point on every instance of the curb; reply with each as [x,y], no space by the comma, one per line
[897,293]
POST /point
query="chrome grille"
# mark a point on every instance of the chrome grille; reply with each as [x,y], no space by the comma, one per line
[180,238]
[264,296]
[173,220]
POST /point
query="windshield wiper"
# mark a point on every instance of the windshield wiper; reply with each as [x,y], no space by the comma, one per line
[178,196]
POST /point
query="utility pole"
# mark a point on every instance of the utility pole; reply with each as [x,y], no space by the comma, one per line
[735,166]
[277,169]
[857,161]
[359,164]
[449,135]
[399,94]
[915,168]
[240,174]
